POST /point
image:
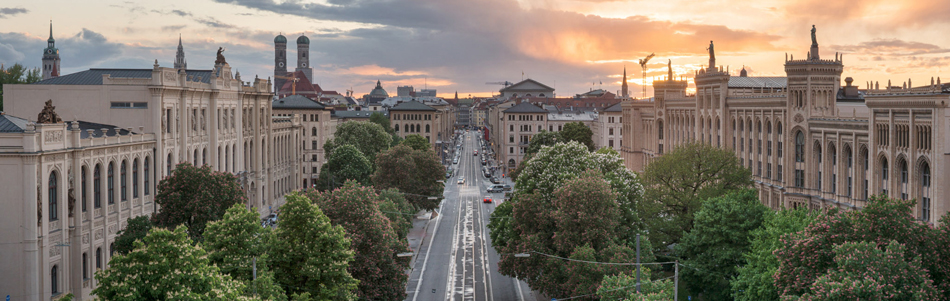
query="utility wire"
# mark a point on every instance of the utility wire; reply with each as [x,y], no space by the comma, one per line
[611,290]
[598,262]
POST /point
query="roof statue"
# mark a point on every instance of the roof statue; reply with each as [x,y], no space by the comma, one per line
[47,115]
[669,66]
[220,58]
[814,40]
[712,55]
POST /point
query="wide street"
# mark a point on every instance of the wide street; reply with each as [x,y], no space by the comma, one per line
[456,260]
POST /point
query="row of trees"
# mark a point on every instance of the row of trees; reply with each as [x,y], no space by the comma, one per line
[17,74]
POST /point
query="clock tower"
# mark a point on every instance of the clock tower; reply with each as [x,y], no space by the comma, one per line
[50,56]
[280,61]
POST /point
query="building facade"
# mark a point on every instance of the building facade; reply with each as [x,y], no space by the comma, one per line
[317,125]
[434,121]
[808,141]
[140,123]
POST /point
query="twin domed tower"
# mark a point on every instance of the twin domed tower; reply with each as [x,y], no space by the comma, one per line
[280,59]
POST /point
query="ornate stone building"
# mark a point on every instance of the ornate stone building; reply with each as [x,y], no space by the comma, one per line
[807,140]
[70,187]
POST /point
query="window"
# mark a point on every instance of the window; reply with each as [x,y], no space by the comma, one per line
[610,143]
[135,178]
[83,189]
[903,167]
[123,181]
[313,132]
[884,175]
[313,144]
[427,127]
[54,280]
[799,147]
[539,128]
[96,188]
[85,266]
[146,175]
[511,150]
[610,131]
[511,128]
[314,170]
[98,258]
[53,203]
[129,105]
[313,158]
[925,192]
[168,165]
[111,183]
[511,139]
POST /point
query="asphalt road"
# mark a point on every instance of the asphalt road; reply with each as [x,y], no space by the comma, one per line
[456,260]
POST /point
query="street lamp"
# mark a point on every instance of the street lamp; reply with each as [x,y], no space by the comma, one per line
[405,254]
[522,255]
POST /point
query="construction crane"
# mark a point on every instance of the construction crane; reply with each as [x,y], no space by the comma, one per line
[643,68]
[505,83]
[293,85]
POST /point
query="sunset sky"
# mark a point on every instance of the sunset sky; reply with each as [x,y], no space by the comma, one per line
[459,45]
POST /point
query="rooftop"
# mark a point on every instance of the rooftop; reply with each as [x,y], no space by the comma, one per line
[94,76]
[411,106]
[525,107]
[758,82]
[297,102]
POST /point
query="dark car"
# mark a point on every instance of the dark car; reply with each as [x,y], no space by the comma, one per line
[507,187]
[495,180]
[496,188]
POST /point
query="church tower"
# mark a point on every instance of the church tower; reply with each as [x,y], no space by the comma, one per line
[623,88]
[280,61]
[180,56]
[813,84]
[50,56]
[303,57]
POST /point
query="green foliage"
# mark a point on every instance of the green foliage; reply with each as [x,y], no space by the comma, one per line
[66,297]
[345,163]
[623,287]
[368,137]
[398,210]
[309,255]
[714,247]
[136,229]
[17,74]
[755,279]
[234,242]
[416,142]
[809,255]
[413,172]
[543,138]
[577,131]
[866,273]
[677,183]
[375,244]
[383,121]
[193,196]
[579,221]
[165,265]
[524,162]
[500,228]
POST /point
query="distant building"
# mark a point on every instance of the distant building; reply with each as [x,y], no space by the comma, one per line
[527,88]
[303,70]
[51,57]
[377,95]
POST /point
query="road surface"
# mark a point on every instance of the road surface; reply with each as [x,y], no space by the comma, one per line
[456,260]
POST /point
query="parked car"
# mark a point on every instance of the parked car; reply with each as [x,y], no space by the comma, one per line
[461,180]
[495,180]
[487,200]
[496,188]
[507,187]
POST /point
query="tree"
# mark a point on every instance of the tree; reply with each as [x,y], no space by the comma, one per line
[580,222]
[623,287]
[309,255]
[345,163]
[398,210]
[414,172]
[165,265]
[543,138]
[713,248]
[383,121]
[755,279]
[677,183]
[416,142]
[193,196]
[136,229]
[375,244]
[577,131]
[17,74]
[866,273]
[806,256]
[370,138]
[234,243]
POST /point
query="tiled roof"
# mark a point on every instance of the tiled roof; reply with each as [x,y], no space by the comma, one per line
[12,124]
[614,108]
[296,102]
[411,106]
[97,129]
[525,107]
[94,76]
[758,82]
[354,114]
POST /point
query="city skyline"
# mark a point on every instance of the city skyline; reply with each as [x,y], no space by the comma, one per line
[458,46]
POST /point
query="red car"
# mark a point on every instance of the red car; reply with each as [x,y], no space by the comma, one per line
[487,200]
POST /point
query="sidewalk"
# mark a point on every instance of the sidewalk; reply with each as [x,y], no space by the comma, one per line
[420,223]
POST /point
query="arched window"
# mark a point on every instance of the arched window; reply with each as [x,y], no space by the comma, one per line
[799,159]
[834,168]
[85,266]
[884,172]
[427,128]
[135,178]
[194,160]
[111,249]
[97,187]
[83,189]
[54,279]
[925,191]
[110,182]
[903,168]
[53,202]
[168,165]
[659,132]
[818,159]
[98,258]
[204,156]
[146,174]
[123,181]
[405,128]
[850,173]
[313,131]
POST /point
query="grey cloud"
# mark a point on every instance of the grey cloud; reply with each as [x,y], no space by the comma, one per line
[181,13]
[891,47]
[11,11]
[173,28]
[211,21]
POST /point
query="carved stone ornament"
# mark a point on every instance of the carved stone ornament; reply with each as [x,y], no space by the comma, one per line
[71,202]
[39,206]
[53,137]
[220,57]
[799,118]
[47,115]
[163,122]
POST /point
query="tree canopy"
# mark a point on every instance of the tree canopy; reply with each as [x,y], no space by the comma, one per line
[193,196]
[577,131]
[713,249]
[368,137]
[416,142]
[309,255]
[136,229]
[543,138]
[237,242]
[414,172]
[165,265]
[17,74]
[755,279]
[677,183]
[383,120]
[345,163]
[375,244]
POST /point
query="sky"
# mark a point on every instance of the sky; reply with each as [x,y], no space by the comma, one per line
[460,45]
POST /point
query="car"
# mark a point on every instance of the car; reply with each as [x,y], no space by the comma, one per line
[507,187]
[476,153]
[487,200]
[495,180]
[496,188]
[456,161]
[461,180]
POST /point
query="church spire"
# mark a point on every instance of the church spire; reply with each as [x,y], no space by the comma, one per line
[623,87]
[50,31]
[50,56]
[180,62]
